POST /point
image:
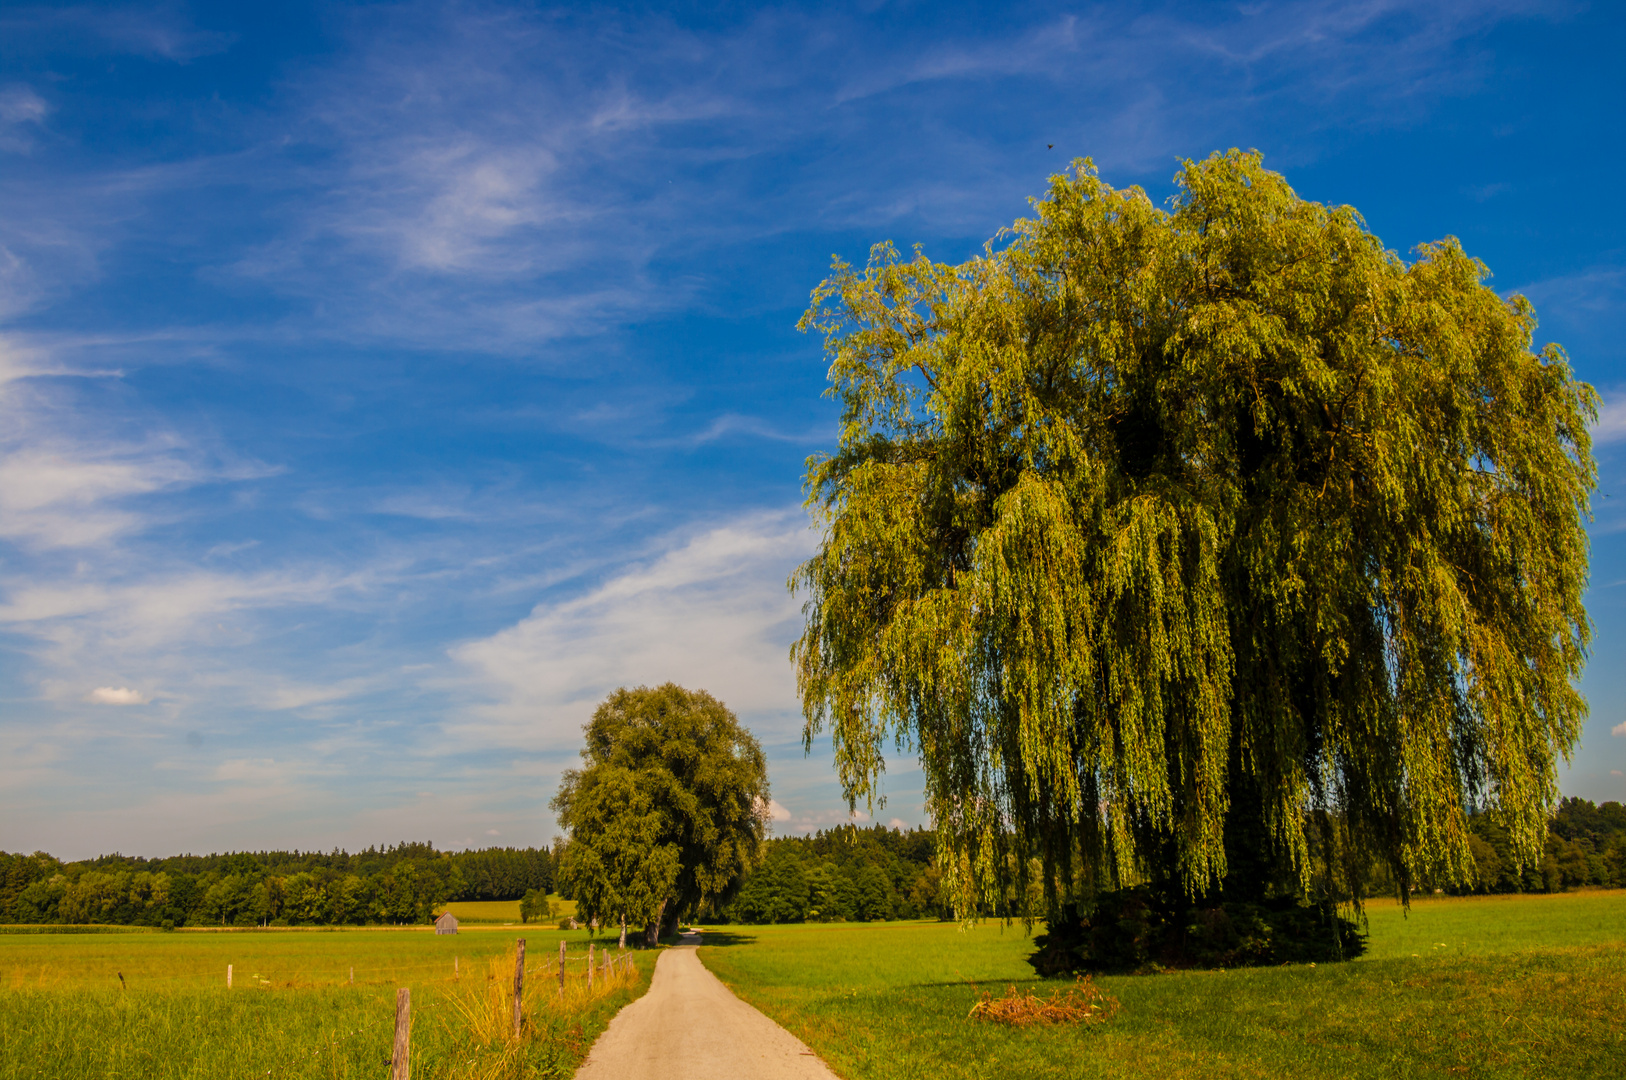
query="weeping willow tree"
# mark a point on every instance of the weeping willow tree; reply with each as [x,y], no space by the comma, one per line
[1196,546]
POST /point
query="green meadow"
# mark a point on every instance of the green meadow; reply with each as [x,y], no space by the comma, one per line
[503,912]
[1506,986]
[292,1009]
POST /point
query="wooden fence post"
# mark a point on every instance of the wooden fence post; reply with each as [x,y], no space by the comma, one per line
[519,984]
[589,967]
[228,976]
[561,967]
[401,1057]
[352,976]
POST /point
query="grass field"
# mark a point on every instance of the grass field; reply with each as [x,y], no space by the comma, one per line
[503,912]
[292,1010]
[1523,986]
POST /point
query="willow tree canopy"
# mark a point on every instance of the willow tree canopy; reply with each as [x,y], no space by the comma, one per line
[1144,508]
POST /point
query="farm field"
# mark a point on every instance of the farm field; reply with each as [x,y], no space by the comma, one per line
[1514,986]
[292,1010]
[502,912]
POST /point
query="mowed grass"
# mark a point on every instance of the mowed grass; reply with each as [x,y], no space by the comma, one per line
[1529,986]
[504,912]
[292,1010]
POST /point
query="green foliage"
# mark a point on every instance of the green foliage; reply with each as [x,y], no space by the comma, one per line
[401,884]
[844,874]
[776,892]
[665,817]
[1585,845]
[1138,928]
[503,873]
[535,905]
[621,862]
[1149,520]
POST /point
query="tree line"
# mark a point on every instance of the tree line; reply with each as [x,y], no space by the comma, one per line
[852,874]
[844,874]
[403,883]
[1585,845]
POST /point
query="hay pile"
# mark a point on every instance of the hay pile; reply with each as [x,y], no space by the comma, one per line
[1081,1003]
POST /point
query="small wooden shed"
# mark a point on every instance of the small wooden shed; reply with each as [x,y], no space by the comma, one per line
[446,924]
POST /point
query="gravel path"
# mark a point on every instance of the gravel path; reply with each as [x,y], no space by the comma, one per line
[692,1027]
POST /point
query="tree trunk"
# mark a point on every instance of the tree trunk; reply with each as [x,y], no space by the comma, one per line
[623,932]
[652,932]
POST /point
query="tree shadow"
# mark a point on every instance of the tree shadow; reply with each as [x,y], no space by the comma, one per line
[979,984]
[727,938]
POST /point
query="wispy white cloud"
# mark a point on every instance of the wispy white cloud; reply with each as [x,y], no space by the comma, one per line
[733,424]
[159,31]
[21,110]
[66,480]
[1584,311]
[476,176]
[711,613]
[470,194]
[1619,731]
[258,771]
[117,695]
[56,498]
[1611,425]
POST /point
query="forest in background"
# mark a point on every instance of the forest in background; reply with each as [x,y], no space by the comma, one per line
[878,873]
[403,883]
[843,874]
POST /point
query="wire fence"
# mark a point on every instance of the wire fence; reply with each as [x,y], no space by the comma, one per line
[268,973]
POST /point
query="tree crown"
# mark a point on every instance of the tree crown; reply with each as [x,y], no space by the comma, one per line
[1149,514]
[667,808]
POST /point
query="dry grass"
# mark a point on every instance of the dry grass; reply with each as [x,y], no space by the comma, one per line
[482,1013]
[1081,1003]
[293,1011]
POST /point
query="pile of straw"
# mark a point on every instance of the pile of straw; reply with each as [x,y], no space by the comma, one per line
[1081,1003]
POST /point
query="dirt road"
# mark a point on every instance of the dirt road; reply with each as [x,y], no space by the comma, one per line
[692,1027]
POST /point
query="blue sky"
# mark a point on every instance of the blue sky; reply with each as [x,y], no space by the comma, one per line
[382,384]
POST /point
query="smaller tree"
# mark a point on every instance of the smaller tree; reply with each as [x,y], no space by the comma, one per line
[666,815]
[535,905]
[617,865]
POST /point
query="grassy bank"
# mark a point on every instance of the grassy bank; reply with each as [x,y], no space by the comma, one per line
[292,1010]
[1519,986]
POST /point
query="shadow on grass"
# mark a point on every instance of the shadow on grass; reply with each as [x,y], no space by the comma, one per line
[724,938]
[979,983]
